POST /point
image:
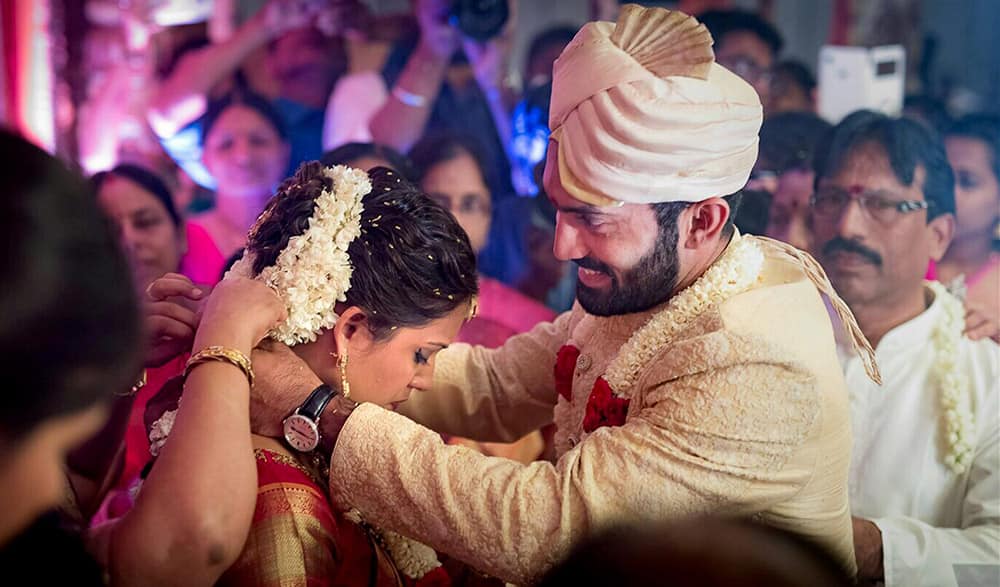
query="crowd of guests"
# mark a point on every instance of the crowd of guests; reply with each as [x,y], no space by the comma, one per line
[902,215]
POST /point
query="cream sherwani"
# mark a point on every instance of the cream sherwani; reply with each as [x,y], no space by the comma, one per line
[745,413]
[938,528]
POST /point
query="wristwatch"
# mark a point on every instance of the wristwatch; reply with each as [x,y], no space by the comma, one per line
[302,427]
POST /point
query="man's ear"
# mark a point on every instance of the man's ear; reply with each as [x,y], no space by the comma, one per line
[703,222]
[352,331]
[940,230]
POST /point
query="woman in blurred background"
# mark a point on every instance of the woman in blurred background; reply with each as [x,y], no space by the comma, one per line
[452,173]
[973,145]
[246,151]
[149,228]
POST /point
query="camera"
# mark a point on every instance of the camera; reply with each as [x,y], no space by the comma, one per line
[480,20]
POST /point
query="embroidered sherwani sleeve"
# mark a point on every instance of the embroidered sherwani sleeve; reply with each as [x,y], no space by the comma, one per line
[916,553]
[697,448]
[494,395]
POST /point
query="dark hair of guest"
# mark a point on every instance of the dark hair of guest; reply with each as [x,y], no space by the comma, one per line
[144,178]
[984,128]
[411,264]
[350,152]
[441,147]
[907,144]
[723,22]
[699,552]
[246,98]
[70,325]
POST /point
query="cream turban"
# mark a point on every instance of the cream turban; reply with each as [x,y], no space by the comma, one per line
[643,114]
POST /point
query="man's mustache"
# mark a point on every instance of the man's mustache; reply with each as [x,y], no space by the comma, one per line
[839,244]
[593,265]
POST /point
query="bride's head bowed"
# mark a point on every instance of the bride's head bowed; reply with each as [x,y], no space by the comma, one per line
[373,274]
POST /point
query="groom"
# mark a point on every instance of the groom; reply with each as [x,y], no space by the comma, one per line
[696,375]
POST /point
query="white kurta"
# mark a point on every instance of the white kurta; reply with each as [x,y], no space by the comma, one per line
[938,528]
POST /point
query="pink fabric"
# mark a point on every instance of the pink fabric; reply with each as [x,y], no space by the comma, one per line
[972,279]
[503,312]
[983,271]
[931,271]
[203,262]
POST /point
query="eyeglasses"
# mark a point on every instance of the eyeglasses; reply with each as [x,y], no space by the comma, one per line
[831,203]
[748,69]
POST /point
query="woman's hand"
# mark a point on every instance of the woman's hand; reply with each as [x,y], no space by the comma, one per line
[436,35]
[491,59]
[239,313]
[171,313]
[980,324]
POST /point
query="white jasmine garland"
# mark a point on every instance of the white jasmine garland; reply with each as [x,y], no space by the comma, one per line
[733,273]
[958,423]
[313,272]
[413,559]
[160,430]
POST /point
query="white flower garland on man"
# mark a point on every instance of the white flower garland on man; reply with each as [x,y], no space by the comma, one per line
[958,421]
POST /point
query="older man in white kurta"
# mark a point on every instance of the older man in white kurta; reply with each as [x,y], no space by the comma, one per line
[924,485]
[940,524]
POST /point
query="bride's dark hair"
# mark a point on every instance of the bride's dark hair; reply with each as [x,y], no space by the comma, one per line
[412,263]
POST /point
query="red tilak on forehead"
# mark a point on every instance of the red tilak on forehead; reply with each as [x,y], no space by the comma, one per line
[855,189]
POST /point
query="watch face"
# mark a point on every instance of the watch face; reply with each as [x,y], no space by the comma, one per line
[301,433]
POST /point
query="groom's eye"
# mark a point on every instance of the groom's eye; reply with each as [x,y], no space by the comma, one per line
[420,358]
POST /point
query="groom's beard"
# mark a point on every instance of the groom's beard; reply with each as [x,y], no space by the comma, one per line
[647,285]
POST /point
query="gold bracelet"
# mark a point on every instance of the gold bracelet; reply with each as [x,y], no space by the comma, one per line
[223,354]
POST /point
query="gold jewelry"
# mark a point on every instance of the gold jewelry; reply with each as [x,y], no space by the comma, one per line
[473,308]
[222,354]
[139,384]
[345,386]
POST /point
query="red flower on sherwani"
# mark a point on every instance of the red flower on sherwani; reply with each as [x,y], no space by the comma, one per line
[438,577]
[604,408]
[565,367]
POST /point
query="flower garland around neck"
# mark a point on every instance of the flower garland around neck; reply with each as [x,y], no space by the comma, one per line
[734,273]
[958,422]
[313,272]
[412,558]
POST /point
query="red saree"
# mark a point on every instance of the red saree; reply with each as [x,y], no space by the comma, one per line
[296,539]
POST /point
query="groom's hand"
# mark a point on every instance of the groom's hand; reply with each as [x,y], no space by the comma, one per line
[283,381]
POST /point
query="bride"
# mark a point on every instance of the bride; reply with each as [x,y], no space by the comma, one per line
[376,279]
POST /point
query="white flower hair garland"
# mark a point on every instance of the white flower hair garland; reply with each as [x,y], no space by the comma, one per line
[313,272]
[958,422]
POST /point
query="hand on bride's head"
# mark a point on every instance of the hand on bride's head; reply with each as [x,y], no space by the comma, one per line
[239,312]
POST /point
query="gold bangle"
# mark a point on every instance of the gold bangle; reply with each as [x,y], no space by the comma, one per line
[223,354]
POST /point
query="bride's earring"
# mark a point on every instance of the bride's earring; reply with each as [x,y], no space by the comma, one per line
[345,386]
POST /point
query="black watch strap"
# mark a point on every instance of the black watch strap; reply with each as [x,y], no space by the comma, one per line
[316,402]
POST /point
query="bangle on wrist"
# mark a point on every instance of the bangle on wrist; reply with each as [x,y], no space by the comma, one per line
[409,98]
[221,354]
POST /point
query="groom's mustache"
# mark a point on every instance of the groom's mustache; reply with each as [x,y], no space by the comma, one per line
[839,244]
[594,265]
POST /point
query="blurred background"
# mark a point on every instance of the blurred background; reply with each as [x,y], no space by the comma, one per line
[60,54]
